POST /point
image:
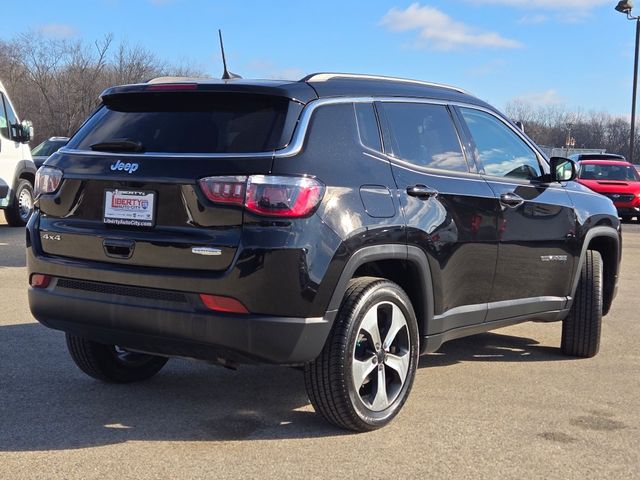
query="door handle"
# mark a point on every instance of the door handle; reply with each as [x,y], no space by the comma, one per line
[511,200]
[118,248]
[422,191]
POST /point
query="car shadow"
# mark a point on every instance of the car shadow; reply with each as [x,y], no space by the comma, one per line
[491,347]
[46,403]
[12,246]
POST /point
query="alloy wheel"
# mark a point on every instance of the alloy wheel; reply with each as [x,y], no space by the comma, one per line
[381,356]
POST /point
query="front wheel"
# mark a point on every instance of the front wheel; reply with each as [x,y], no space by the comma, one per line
[18,213]
[582,328]
[364,374]
[110,363]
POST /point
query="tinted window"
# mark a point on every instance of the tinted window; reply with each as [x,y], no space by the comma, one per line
[424,135]
[48,147]
[4,125]
[189,122]
[368,126]
[622,173]
[501,152]
[12,118]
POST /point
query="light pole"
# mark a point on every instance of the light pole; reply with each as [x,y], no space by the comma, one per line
[625,6]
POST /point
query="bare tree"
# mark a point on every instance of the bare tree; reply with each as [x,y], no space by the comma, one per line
[56,83]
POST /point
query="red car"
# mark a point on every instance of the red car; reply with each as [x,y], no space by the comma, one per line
[617,180]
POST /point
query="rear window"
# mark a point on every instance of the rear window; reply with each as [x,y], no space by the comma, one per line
[189,122]
[624,173]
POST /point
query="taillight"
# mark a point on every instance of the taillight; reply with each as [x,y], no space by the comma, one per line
[47,180]
[268,195]
[283,196]
[224,189]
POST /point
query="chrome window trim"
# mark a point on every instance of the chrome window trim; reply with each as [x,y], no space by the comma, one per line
[297,141]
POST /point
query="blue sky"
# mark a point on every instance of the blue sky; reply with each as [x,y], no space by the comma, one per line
[579,54]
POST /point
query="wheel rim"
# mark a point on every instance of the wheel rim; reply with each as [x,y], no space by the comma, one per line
[25,204]
[381,356]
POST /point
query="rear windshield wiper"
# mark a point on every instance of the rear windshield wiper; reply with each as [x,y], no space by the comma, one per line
[118,145]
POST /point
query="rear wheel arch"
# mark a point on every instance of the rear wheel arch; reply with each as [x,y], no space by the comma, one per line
[25,170]
[406,266]
[29,177]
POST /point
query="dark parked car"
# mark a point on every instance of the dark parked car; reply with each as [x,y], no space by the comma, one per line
[46,148]
[343,223]
[578,157]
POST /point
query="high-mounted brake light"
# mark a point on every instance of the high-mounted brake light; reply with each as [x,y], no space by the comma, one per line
[171,87]
[47,180]
[267,195]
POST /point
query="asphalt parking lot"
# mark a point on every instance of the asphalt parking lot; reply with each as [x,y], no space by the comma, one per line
[499,405]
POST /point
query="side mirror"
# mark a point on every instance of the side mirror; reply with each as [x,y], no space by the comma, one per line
[23,131]
[563,169]
[27,130]
[520,125]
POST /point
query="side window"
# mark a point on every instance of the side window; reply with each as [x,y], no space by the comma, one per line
[12,118]
[501,152]
[424,135]
[368,126]
[4,126]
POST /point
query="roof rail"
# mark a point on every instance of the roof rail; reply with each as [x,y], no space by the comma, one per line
[325,77]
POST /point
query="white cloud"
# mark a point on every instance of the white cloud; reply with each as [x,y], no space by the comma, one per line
[57,30]
[533,19]
[439,31]
[546,4]
[548,97]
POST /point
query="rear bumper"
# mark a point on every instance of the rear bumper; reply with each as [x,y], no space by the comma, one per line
[166,328]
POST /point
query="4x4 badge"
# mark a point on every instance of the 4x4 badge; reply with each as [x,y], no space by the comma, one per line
[127,167]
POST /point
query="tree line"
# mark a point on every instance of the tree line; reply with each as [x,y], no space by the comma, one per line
[56,82]
[556,126]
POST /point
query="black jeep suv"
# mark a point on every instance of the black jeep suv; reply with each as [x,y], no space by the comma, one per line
[343,223]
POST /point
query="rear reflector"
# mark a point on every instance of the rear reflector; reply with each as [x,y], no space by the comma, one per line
[223,304]
[39,280]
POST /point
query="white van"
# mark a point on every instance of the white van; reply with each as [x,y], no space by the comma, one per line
[17,170]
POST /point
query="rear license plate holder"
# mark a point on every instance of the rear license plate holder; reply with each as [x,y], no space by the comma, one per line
[135,208]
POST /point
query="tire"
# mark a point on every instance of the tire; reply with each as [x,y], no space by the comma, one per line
[110,364]
[369,303]
[582,328]
[18,213]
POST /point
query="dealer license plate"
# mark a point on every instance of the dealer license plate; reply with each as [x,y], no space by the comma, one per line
[129,207]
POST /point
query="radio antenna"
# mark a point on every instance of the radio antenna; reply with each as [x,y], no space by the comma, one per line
[226,74]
